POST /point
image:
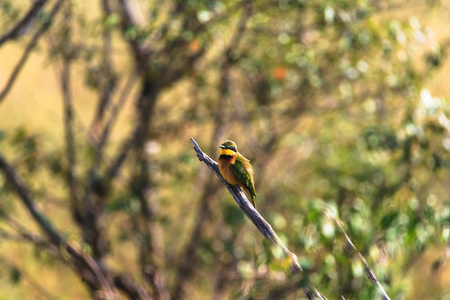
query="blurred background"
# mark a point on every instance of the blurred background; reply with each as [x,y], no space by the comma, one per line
[342,107]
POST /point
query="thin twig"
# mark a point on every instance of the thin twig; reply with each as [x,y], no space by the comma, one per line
[263,226]
[370,274]
[44,27]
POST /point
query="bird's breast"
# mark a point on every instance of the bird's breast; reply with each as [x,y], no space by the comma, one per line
[225,171]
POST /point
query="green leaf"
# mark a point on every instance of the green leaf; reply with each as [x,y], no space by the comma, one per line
[14,275]
[388,219]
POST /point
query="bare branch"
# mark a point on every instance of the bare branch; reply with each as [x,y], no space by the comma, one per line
[262,225]
[370,274]
[44,27]
[21,25]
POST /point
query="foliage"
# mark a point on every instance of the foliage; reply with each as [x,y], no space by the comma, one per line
[327,99]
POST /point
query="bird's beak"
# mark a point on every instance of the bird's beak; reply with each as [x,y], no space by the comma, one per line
[222,147]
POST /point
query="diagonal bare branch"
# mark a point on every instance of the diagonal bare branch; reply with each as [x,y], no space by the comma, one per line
[369,273]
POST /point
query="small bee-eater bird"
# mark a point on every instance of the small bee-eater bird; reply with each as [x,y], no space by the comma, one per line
[236,169]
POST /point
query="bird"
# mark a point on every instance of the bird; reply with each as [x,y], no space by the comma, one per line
[236,169]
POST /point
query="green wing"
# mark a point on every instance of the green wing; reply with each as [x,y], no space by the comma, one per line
[243,172]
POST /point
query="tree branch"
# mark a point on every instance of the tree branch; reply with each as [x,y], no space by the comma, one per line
[369,273]
[262,225]
[24,22]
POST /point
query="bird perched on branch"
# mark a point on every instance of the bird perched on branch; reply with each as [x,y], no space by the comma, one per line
[236,169]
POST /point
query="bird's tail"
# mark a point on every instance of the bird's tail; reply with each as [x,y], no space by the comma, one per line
[250,197]
[253,201]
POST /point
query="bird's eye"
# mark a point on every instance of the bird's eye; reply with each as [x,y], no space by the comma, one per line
[232,148]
